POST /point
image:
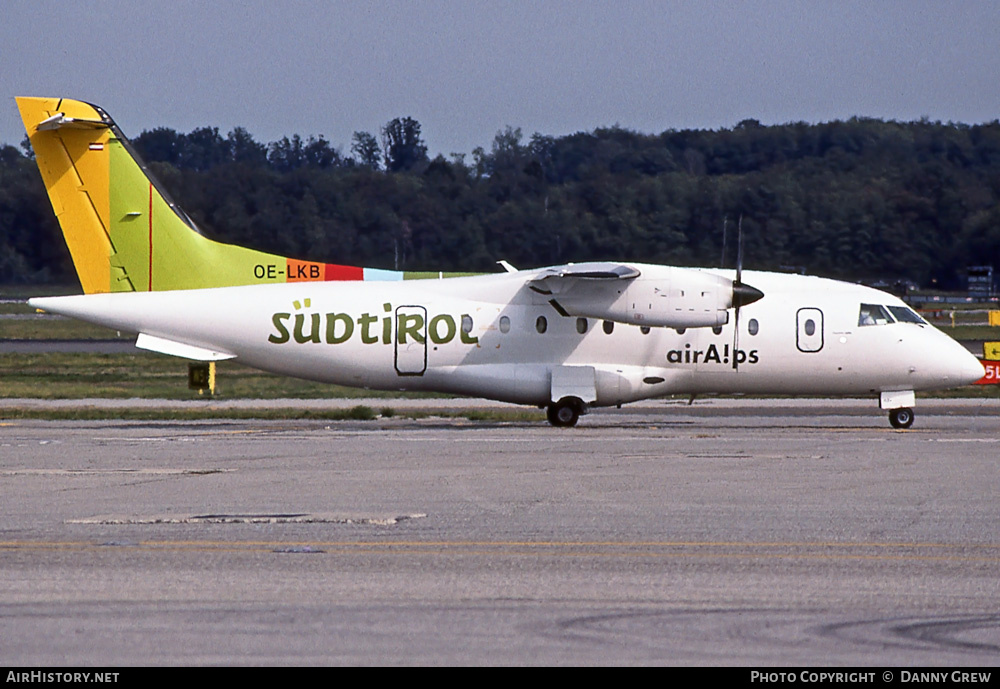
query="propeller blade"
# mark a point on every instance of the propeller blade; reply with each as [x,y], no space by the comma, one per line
[739,251]
[736,339]
[742,294]
[725,221]
[737,288]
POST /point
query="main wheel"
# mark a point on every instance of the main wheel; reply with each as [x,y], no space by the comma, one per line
[901,418]
[565,412]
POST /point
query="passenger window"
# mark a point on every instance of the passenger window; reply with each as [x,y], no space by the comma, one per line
[504,324]
[581,325]
[466,324]
[609,327]
[752,326]
[717,330]
[644,329]
[541,325]
[873,314]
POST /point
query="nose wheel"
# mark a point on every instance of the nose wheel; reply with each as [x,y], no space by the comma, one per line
[901,418]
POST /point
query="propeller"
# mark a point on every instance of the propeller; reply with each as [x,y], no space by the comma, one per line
[722,262]
[743,294]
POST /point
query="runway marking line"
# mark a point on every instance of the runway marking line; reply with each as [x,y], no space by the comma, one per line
[545,544]
[542,548]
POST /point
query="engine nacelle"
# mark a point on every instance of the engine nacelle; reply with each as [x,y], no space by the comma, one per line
[672,298]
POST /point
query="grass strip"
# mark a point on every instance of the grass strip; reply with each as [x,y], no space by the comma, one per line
[146,375]
[357,413]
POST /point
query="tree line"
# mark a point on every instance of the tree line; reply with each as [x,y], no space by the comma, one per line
[856,199]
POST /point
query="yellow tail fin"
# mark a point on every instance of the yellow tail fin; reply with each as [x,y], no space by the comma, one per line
[62,133]
[123,230]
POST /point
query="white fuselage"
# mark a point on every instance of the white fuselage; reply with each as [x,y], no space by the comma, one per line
[802,337]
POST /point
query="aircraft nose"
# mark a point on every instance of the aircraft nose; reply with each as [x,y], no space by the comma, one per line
[947,363]
[970,369]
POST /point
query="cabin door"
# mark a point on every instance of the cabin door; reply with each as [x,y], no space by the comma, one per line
[411,340]
[809,330]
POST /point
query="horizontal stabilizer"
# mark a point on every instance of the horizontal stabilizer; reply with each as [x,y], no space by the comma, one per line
[186,351]
[60,121]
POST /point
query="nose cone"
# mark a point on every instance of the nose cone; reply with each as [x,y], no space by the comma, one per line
[956,364]
[971,369]
[937,362]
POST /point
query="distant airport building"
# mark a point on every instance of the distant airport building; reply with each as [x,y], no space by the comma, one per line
[981,281]
[901,287]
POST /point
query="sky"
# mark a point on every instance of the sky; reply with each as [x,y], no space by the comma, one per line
[467,69]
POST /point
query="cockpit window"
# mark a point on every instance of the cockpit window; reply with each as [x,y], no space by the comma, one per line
[876,314]
[873,314]
[906,315]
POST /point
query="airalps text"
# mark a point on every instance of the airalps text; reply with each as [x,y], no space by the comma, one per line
[710,355]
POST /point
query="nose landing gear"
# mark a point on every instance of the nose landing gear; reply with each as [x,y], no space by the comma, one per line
[901,418]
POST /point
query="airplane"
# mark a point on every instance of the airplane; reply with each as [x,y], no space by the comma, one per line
[567,338]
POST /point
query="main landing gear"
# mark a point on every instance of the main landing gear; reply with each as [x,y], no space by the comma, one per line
[901,418]
[566,412]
